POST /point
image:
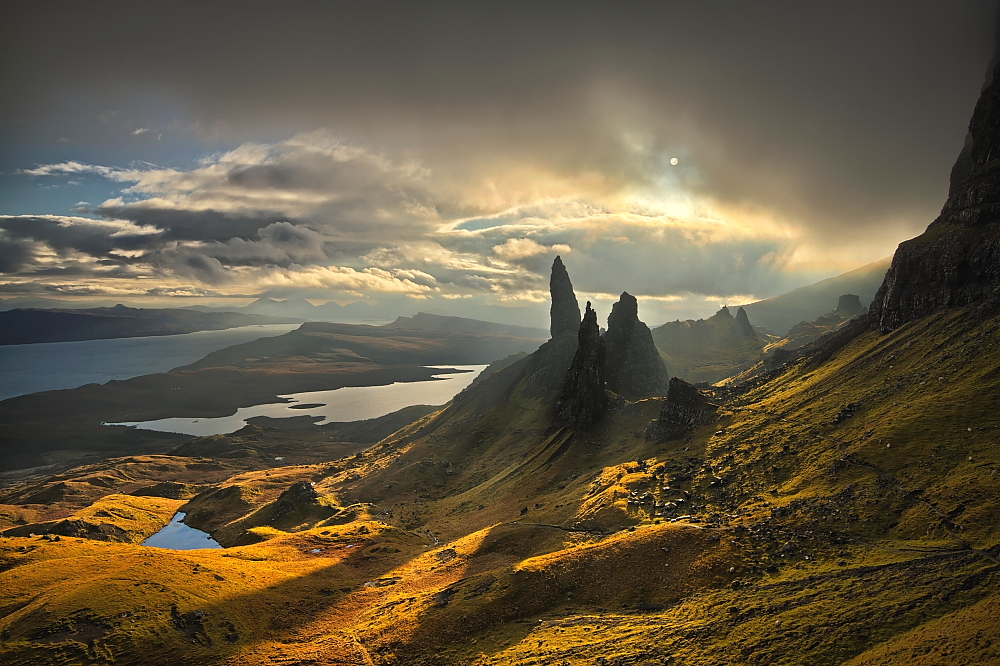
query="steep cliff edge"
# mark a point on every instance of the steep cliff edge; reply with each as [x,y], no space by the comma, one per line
[956,261]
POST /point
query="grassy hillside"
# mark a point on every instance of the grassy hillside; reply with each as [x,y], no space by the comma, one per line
[842,510]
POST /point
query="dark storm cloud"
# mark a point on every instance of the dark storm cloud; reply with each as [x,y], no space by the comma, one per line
[466,144]
[191,225]
[97,238]
[837,113]
[15,255]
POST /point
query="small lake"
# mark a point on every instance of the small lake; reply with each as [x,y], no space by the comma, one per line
[351,403]
[47,366]
[178,536]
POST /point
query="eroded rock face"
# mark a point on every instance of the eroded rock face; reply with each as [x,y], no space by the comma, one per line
[565,310]
[956,262]
[742,325]
[634,368]
[582,402]
[683,410]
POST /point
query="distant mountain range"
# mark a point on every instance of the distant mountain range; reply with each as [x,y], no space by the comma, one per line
[28,325]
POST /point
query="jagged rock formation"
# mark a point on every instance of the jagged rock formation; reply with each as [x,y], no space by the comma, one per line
[683,410]
[565,310]
[742,326]
[582,401]
[634,368]
[956,261]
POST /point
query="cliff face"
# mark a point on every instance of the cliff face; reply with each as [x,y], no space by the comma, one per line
[634,367]
[565,311]
[582,402]
[956,262]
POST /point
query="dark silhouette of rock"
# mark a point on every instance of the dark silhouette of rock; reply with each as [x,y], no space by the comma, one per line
[583,401]
[683,410]
[742,325]
[956,261]
[634,367]
[565,310]
[849,305]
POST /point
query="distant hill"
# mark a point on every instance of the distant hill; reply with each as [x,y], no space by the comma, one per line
[848,307]
[26,326]
[780,313]
[432,322]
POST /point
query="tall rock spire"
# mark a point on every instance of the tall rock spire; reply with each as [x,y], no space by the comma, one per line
[956,262]
[582,402]
[565,311]
[634,367]
[742,325]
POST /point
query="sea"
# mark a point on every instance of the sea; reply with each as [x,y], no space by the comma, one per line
[48,366]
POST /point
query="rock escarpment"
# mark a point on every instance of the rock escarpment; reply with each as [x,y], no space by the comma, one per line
[634,368]
[583,401]
[565,310]
[956,261]
[683,410]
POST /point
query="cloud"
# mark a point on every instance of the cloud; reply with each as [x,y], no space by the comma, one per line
[140,130]
[520,248]
[315,213]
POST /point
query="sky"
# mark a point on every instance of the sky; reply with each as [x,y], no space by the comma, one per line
[438,156]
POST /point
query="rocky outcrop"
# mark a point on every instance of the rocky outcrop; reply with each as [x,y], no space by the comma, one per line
[291,499]
[583,401]
[683,410]
[565,310]
[849,305]
[742,325]
[634,368]
[956,261]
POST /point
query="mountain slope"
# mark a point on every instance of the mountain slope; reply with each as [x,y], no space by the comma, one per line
[780,313]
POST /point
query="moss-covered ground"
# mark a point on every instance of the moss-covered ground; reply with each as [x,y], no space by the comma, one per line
[841,512]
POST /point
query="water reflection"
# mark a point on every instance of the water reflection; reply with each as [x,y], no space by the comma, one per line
[178,536]
[351,403]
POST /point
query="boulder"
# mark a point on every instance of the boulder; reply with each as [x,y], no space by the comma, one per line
[683,410]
